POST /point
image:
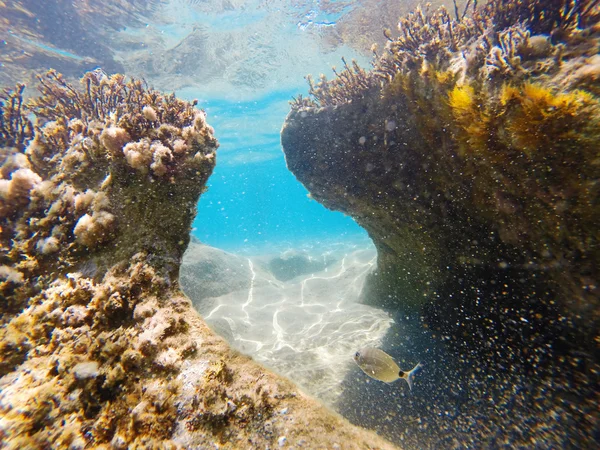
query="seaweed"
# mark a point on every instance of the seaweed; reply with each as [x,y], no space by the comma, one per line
[15,126]
[486,40]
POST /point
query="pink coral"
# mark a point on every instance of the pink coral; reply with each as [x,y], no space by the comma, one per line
[161,155]
[9,274]
[15,193]
[113,139]
[180,146]
[150,113]
[93,230]
[138,154]
[48,245]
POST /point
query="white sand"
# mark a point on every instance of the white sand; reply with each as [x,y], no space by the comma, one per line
[306,328]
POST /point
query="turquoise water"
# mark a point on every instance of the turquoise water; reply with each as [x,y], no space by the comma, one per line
[253,200]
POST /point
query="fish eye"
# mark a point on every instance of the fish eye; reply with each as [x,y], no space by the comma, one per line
[357,355]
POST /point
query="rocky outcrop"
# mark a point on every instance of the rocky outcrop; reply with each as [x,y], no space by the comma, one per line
[99,347]
[459,150]
[469,154]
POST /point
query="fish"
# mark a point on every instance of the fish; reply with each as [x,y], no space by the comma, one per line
[379,365]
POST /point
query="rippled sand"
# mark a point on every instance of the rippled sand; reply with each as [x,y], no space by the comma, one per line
[307,327]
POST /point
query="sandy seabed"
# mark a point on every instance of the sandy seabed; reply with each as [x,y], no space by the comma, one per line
[296,311]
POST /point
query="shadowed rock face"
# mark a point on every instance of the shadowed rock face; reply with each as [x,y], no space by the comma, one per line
[470,170]
[368,160]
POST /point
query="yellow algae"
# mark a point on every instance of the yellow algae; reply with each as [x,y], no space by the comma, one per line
[462,100]
[537,118]
[444,77]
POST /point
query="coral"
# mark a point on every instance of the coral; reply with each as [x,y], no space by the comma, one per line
[493,40]
[114,139]
[15,192]
[68,192]
[93,230]
[98,345]
[108,130]
[48,245]
[11,275]
[85,370]
[350,82]
[149,113]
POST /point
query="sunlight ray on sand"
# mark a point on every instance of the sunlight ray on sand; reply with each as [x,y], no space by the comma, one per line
[307,327]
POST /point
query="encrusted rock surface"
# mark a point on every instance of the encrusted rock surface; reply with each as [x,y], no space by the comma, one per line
[471,148]
[98,346]
[470,155]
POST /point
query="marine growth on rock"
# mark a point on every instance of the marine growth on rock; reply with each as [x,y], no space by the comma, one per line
[99,348]
[469,152]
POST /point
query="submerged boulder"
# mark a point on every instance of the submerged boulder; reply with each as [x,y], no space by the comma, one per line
[209,272]
[98,345]
[295,263]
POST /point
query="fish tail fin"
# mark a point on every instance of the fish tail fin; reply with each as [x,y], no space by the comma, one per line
[408,376]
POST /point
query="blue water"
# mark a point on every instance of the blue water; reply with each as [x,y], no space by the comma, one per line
[253,200]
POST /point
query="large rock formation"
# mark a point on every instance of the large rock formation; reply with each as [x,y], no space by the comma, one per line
[99,347]
[470,155]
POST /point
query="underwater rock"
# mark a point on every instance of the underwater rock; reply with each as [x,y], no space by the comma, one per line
[447,160]
[99,347]
[209,272]
[470,153]
[293,264]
